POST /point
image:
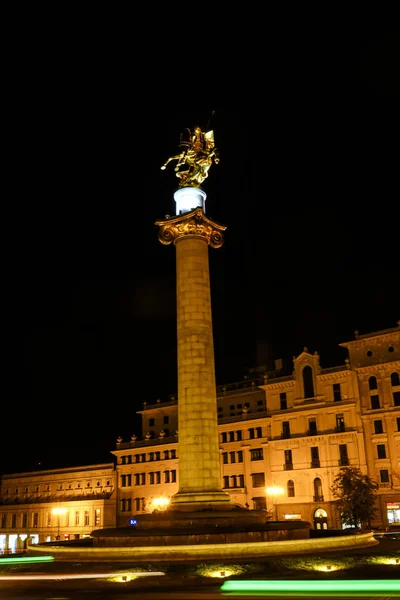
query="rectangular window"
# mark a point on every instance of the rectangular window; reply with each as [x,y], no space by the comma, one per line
[241,481]
[256,454]
[283,400]
[173,453]
[375,402]
[137,458]
[49,519]
[24,520]
[225,458]
[13,521]
[314,457]
[232,456]
[157,455]
[381,449]
[4,521]
[77,517]
[258,479]
[224,437]
[142,458]
[97,517]
[340,423]
[240,456]
[251,433]
[137,504]
[142,478]
[166,477]
[239,435]
[137,478]
[398,423]
[288,460]
[158,476]
[226,481]
[312,426]
[384,475]
[151,477]
[173,476]
[35,522]
[166,454]
[337,394]
[258,432]
[286,429]
[231,436]
[396,398]
[378,427]
[151,422]
[87,523]
[234,481]
[343,457]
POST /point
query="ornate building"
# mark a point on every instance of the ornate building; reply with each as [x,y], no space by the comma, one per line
[282,441]
[288,434]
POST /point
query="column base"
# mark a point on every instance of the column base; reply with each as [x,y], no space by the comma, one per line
[202,500]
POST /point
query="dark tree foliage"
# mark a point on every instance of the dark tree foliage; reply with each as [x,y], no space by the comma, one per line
[354,495]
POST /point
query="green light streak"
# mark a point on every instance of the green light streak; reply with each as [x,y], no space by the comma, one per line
[25,559]
[297,587]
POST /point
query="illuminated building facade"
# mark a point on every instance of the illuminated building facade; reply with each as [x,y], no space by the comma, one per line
[291,433]
[43,506]
[287,433]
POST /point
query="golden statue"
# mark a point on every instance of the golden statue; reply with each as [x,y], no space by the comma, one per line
[195,158]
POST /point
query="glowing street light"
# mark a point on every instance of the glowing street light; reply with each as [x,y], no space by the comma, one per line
[58,511]
[274,491]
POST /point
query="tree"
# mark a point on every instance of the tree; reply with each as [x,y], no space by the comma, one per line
[354,495]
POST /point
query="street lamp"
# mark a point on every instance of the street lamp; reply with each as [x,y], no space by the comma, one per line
[274,491]
[58,511]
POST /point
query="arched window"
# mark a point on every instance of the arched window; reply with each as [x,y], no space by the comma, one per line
[308,382]
[318,495]
[373,384]
[290,489]
[394,379]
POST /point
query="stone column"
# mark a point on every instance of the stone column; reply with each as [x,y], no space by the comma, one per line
[200,484]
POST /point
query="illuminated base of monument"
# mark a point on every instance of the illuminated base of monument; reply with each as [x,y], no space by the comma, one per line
[200,501]
[209,527]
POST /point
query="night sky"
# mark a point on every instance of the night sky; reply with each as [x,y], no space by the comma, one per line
[307,185]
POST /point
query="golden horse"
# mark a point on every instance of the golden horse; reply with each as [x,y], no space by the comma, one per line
[196,158]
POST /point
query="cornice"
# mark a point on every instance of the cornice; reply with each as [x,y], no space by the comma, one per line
[362,342]
[390,366]
[278,385]
[334,375]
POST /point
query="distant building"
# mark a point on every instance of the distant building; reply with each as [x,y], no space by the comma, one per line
[42,506]
[291,433]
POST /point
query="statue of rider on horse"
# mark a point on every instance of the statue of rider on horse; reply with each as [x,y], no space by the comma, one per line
[195,158]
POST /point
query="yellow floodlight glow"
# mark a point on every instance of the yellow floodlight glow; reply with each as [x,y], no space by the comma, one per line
[58,511]
[159,503]
[274,490]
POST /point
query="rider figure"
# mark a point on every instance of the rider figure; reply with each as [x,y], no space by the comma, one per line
[197,153]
